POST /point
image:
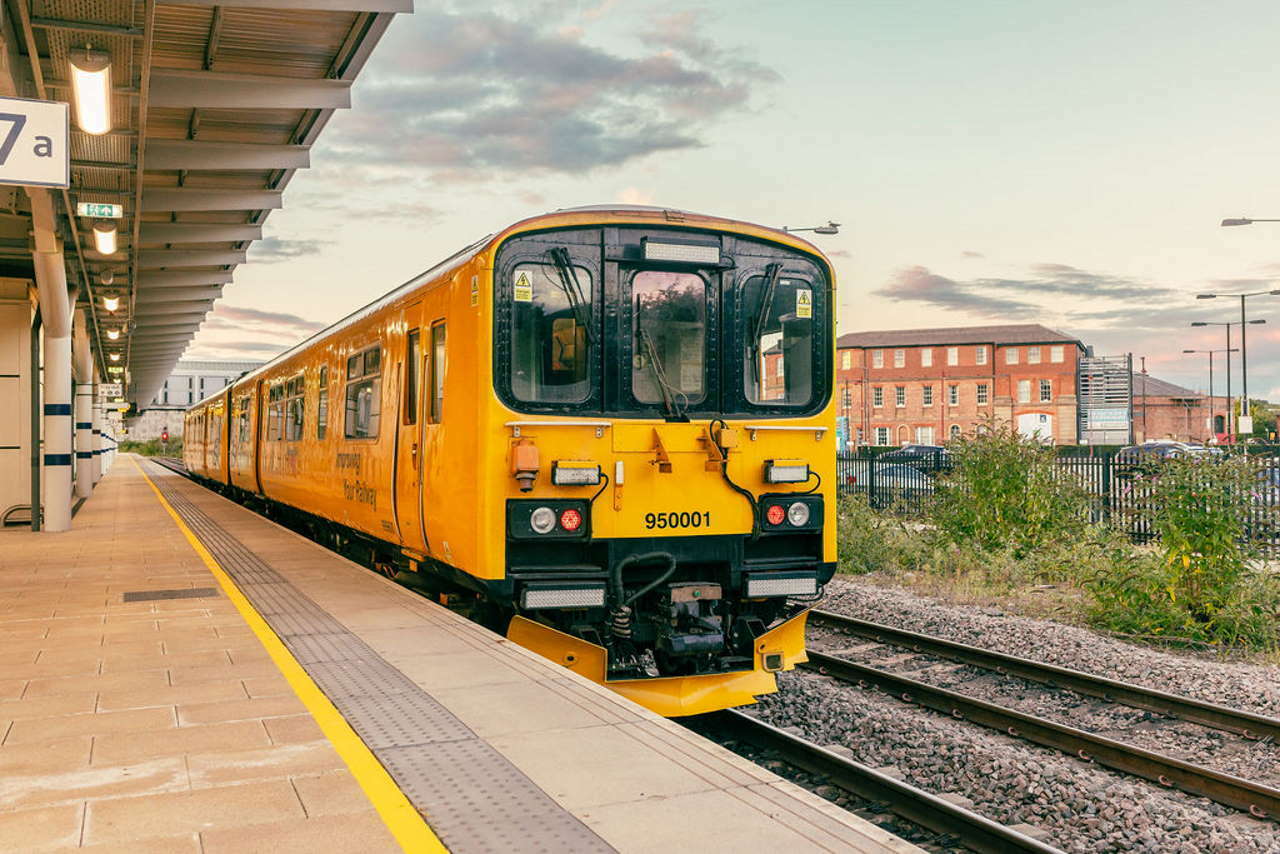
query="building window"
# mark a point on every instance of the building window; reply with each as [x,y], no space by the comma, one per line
[848,398]
[926,396]
[1024,391]
[899,396]
[882,435]
[980,355]
[877,358]
[953,395]
[1056,353]
[877,396]
[1046,391]
[364,395]
[953,355]
[926,358]
[955,431]
[1011,355]
[924,435]
[983,394]
[1033,355]
[899,358]
[846,360]
[322,404]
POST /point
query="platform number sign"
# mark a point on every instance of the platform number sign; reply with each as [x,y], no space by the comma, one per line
[33,143]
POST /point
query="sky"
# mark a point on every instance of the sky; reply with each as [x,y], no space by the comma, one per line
[989,162]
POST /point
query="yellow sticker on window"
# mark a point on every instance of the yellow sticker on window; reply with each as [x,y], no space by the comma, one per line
[804,302]
[475,291]
[523,287]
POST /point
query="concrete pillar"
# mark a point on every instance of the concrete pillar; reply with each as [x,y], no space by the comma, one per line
[83,370]
[55,308]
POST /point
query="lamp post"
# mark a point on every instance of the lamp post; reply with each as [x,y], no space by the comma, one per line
[1244,349]
[829,228]
[1228,351]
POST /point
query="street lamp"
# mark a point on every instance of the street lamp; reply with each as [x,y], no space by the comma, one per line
[829,228]
[1229,350]
[1244,347]
[1243,220]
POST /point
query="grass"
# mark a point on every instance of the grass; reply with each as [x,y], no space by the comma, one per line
[153,448]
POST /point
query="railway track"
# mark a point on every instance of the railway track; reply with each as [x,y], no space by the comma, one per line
[936,814]
[1258,800]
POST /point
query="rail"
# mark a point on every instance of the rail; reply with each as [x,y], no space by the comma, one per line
[930,811]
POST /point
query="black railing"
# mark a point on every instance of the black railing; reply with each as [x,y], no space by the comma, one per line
[904,480]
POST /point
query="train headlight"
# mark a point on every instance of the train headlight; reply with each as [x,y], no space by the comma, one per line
[681,252]
[786,471]
[562,596]
[798,514]
[773,584]
[575,473]
[542,520]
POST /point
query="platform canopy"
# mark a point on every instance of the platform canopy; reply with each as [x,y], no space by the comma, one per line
[215,106]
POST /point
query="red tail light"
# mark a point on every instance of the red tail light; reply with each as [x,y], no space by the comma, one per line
[570,519]
[776,514]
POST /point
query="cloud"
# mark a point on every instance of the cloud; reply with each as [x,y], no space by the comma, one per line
[482,95]
[235,331]
[273,250]
[968,253]
[236,316]
[922,285]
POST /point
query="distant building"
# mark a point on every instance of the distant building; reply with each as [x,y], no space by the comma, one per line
[1162,410]
[930,385]
[190,382]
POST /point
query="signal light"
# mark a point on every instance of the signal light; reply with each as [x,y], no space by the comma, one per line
[570,519]
[776,514]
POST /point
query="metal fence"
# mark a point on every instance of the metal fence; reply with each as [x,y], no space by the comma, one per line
[903,480]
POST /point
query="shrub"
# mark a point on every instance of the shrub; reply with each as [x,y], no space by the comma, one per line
[1205,581]
[869,541]
[1006,492]
[152,447]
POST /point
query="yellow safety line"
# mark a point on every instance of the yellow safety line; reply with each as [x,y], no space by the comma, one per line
[401,818]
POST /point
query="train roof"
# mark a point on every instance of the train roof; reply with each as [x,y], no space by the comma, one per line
[675,216]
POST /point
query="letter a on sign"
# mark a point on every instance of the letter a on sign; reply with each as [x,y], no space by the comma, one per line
[33,143]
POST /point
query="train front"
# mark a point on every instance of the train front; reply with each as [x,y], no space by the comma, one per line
[665,400]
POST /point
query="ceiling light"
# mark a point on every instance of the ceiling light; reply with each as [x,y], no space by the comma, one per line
[115,357]
[104,238]
[113,334]
[107,277]
[111,303]
[91,90]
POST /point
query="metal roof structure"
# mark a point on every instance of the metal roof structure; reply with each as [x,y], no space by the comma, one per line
[215,106]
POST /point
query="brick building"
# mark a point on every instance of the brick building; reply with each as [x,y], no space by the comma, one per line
[928,385]
[1162,410]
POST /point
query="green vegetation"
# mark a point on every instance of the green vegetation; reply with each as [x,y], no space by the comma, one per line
[153,447]
[1005,520]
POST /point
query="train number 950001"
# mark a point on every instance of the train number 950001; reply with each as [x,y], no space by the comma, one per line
[695,519]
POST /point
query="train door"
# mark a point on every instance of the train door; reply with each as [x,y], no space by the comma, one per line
[409,454]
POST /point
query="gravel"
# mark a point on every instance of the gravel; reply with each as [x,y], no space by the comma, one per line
[1236,684]
[1083,808]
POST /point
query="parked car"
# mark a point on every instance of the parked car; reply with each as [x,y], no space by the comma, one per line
[1145,458]
[927,458]
[903,481]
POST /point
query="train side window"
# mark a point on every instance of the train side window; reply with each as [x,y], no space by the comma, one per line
[242,420]
[363,403]
[275,412]
[411,357]
[322,404]
[437,372]
[294,409]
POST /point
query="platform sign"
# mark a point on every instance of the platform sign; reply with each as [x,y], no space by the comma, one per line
[110,390]
[100,210]
[33,143]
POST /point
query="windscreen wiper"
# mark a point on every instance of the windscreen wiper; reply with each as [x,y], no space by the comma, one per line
[660,378]
[762,318]
[572,288]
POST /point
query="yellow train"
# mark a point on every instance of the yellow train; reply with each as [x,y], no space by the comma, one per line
[607,432]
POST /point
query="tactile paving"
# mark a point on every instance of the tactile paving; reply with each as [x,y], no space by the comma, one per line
[474,798]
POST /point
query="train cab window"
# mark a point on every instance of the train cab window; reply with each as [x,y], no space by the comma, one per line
[551,333]
[411,359]
[669,338]
[363,406]
[275,412]
[322,404]
[778,312]
[438,366]
[294,409]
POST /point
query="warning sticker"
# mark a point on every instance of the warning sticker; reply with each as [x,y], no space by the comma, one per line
[475,291]
[523,287]
[804,302]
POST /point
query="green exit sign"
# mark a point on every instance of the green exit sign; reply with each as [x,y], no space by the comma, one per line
[100,210]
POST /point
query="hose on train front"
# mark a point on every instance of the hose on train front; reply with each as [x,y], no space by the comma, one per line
[724,472]
[620,616]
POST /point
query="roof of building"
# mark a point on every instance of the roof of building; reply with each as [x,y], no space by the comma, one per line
[1153,387]
[1018,333]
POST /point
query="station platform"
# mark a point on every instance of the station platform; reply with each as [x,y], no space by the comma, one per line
[180,674]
